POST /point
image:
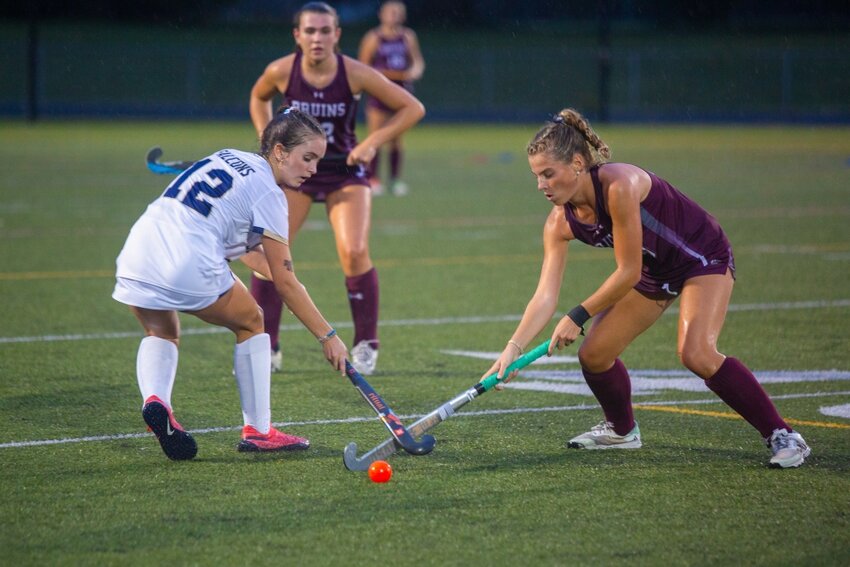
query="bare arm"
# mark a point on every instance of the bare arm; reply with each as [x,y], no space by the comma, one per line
[295,295]
[274,80]
[624,208]
[407,108]
[417,65]
[544,302]
[255,259]
[626,186]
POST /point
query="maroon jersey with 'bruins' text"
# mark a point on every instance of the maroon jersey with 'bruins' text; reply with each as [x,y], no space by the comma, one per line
[333,106]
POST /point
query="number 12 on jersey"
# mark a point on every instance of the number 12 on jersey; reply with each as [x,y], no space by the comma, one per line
[188,195]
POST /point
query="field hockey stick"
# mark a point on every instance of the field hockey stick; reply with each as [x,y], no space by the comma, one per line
[390,446]
[400,434]
[165,167]
[176,167]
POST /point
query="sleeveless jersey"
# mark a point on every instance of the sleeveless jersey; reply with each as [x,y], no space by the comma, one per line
[214,212]
[680,239]
[334,106]
[393,54]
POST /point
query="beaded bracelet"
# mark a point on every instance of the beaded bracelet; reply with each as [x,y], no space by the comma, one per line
[516,344]
[331,334]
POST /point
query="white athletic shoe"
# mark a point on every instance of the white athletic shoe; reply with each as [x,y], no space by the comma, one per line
[789,449]
[277,360]
[364,358]
[399,188]
[377,187]
[603,436]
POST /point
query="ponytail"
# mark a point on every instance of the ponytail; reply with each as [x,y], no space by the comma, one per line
[567,134]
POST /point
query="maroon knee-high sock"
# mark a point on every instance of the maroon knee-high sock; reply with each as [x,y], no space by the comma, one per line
[396,156]
[363,298]
[267,298]
[735,384]
[613,390]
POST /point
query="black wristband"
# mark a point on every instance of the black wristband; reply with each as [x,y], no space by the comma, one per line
[579,315]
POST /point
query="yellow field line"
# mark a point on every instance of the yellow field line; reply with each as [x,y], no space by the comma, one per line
[730,415]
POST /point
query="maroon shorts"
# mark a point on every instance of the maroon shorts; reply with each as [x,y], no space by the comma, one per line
[330,179]
[670,286]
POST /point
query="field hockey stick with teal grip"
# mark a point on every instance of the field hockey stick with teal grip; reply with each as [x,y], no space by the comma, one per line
[391,445]
[156,165]
[164,167]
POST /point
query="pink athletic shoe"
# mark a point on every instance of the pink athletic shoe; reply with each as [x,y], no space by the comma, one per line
[253,441]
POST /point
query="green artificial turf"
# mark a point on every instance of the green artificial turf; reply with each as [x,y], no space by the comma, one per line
[458,260]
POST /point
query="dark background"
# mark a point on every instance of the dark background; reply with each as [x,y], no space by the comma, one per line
[658,14]
[499,60]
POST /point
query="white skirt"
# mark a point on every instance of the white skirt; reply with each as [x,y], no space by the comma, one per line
[149,296]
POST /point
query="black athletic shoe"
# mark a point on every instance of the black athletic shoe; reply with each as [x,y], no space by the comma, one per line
[175,442]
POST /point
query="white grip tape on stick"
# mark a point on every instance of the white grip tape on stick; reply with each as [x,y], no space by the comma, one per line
[445,411]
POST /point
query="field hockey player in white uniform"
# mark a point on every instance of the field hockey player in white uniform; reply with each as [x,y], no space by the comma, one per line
[229,205]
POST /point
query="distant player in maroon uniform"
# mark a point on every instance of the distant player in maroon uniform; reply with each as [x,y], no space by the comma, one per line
[327,85]
[394,50]
[665,246]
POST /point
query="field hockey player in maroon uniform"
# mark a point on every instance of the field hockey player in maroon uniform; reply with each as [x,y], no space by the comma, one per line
[665,247]
[393,49]
[328,85]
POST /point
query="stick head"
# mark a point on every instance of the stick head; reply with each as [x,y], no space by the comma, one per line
[352,463]
[423,446]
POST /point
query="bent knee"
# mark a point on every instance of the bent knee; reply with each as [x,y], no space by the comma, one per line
[702,362]
[355,259]
[595,361]
[254,322]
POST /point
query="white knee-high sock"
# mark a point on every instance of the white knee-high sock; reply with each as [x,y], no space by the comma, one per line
[252,366]
[156,365]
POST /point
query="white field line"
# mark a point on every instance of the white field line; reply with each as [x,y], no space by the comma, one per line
[737,308]
[578,407]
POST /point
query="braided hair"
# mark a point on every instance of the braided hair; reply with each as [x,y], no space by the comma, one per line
[567,134]
[289,127]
